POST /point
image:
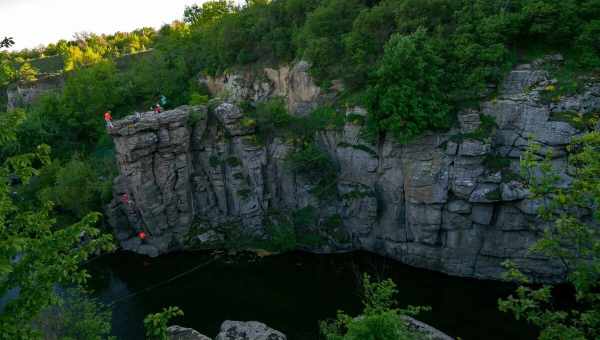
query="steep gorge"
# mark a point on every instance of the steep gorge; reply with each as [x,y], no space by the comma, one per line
[438,202]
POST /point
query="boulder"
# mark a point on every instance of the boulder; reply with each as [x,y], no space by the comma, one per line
[251,330]
[425,329]
[181,333]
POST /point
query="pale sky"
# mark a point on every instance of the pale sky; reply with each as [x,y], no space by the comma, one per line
[35,22]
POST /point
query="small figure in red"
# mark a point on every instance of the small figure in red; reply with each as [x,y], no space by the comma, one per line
[125,199]
[157,108]
[108,119]
[142,235]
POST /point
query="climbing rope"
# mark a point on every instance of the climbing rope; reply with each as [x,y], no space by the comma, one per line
[162,283]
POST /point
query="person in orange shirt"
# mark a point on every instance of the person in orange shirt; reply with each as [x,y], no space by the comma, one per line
[108,119]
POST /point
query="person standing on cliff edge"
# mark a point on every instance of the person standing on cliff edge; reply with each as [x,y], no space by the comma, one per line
[108,119]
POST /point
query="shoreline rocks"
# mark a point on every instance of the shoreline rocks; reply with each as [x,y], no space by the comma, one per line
[254,330]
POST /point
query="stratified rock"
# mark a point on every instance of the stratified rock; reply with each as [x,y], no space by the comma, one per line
[485,193]
[23,94]
[291,82]
[459,206]
[471,147]
[251,330]
[429,203]
[482,213]
[513,191]
[181,333]
[469,121]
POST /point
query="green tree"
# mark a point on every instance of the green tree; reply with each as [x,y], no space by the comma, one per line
[571,235]
[35,255]
[207,13]
[27,73]
[407,95]
[320,39]
[75,316]
[77,58]
[156,324]
[76,188]
[380,318]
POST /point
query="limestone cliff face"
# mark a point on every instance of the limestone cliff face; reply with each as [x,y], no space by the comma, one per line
[24,94]
[432,203]
[293,83]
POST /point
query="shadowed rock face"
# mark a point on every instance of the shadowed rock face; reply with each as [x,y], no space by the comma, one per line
[24,94]
[431,203]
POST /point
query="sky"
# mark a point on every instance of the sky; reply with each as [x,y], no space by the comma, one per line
[35,22]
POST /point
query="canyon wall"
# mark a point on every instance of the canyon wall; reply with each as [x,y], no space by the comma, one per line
[23,94]
[194,174]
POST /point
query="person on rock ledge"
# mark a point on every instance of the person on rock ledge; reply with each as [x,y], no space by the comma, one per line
[108,120]
[156,108]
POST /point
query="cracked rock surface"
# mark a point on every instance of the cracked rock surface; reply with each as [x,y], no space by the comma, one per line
[433,203]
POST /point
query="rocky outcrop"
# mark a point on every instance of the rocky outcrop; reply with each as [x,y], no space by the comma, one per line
[251,330]
[181,333]
[293,83]
[450,202]
[230,330]
[23,94]
[429,332]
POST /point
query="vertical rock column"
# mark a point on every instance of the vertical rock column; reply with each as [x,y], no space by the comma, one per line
[153,156]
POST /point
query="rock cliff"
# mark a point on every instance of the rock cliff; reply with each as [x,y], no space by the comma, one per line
[23,94]
[450,202]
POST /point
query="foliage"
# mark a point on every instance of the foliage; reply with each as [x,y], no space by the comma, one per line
[75,187]
[408,95]
[77,58]
[316,166]
[75,316]
[208,13]
[380,319]
[319,39]
[571,236]
[270,117]
[156,324]
[581,122]
[27,73]
[7,42]
[198,99]
[35,255]
[282,237]
[483,133]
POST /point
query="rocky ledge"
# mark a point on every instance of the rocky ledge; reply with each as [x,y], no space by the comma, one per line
[252,330]
[230,330]
[451,202]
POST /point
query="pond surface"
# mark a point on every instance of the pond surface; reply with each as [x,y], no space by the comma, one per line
[290,293]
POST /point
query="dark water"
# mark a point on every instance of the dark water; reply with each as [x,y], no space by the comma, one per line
[292,293]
